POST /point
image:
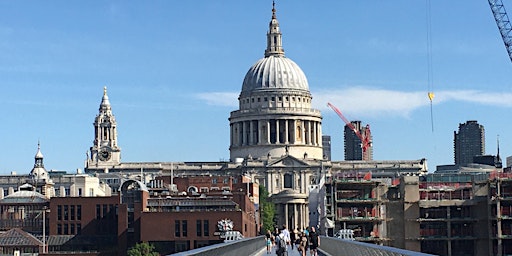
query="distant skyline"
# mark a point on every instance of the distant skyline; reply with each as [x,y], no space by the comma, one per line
[174,69]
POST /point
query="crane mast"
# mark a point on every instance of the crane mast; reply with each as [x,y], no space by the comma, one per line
[503,22]
[365,137]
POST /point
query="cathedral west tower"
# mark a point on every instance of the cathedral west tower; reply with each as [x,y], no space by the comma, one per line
[104,152]
[275,117]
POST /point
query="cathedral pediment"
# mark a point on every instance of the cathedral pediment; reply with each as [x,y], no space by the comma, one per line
[287,161]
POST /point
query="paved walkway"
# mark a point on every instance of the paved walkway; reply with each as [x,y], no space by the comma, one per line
[291,252]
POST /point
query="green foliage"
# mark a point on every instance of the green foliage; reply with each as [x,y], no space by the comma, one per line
[267,210]
[142,249]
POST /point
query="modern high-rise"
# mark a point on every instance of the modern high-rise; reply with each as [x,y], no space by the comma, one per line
[353,144]
[326,146]
[468,142]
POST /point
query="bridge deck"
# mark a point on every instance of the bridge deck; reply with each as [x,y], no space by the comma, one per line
[291,252]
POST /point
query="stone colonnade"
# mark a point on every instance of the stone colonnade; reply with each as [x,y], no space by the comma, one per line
[276,131]
[294,214]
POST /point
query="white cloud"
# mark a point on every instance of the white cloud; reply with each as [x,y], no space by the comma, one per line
[371,102]
[225,99]
[362,101]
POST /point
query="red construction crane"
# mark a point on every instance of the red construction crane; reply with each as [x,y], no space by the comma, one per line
[365,138]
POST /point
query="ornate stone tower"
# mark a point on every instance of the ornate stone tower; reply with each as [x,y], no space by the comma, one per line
[104,152]
[275,117]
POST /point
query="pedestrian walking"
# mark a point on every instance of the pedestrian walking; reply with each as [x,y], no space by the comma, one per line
[314,242]
[268,241]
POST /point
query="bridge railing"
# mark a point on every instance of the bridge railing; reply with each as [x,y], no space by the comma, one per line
[328,246]
[246,246]
[334,246]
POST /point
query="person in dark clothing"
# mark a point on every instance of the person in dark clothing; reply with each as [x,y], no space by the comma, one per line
[314,242]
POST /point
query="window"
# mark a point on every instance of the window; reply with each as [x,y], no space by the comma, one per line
[214,181]
[198,228]
[235,180]
[206,228]
[59,212]
[177,228]
[252,100]
[79,191]
[265,99]
[112,211]
[280,98]
[72,231]
[66,212]
[59,229]
[184,228]
[91,192]
[226,180]
[66,229]
[98,211]
[105,211]
[288,181]
[273,98]
[78,212]
[72,212]
[259,100]
[78,228]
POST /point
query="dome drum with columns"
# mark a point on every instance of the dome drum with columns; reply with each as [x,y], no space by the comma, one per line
[275,116]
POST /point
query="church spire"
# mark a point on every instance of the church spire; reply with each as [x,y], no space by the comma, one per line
[274,36]
[105,103]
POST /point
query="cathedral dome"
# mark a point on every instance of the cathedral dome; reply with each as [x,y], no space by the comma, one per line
[275,72]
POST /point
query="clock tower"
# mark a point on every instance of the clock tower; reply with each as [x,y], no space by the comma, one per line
[104,152]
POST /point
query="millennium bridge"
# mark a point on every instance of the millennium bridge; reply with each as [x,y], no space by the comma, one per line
[329,246]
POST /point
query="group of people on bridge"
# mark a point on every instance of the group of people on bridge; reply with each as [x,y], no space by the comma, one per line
[283,240]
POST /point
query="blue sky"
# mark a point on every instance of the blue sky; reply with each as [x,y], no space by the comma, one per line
[174,70]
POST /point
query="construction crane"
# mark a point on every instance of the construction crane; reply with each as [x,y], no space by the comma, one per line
[366,138]
[501,17]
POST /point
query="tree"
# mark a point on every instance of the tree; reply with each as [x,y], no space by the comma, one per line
[267,209]
[143,249]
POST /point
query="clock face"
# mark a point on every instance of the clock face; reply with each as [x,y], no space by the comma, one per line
[104,154]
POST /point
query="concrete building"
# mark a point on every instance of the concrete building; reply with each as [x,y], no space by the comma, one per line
[326,146]
[468,142]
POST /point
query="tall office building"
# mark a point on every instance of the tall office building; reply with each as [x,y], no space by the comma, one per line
[468,142]
[353,144]
[326,146]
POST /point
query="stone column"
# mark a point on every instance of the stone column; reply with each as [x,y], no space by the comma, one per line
[286,215]
[277,131]
[244,141]
[319,131]
[293,131]
[270,185]
[268,131]
[251,133]
[295,217]
[310,132]
[315,141]
[230,135]
[259,132]
[286,132]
